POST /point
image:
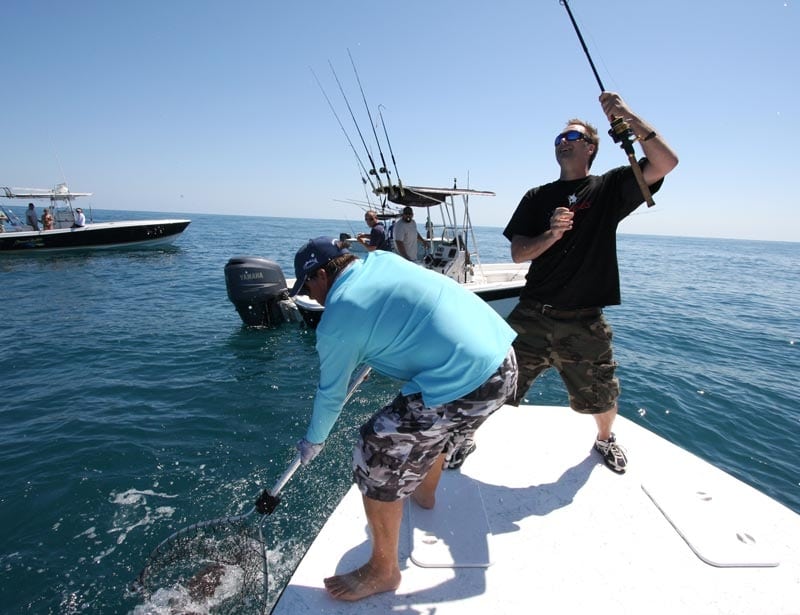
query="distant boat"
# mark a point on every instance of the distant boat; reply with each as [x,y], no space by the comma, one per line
[18,237]
[258,288]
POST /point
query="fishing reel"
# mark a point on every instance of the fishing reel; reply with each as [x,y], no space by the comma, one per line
[622,133]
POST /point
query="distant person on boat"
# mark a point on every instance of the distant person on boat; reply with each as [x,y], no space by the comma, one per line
[376,239]
[31,217]
[47,220]
[567,229]
[406,235]
[452,351]
[80,219]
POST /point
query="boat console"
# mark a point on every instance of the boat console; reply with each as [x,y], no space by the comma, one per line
[452,260]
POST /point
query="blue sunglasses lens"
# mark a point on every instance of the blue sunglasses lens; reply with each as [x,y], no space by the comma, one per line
[571,135]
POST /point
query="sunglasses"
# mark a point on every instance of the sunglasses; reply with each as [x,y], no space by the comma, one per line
[573,135]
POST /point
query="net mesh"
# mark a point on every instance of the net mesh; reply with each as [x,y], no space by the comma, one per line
[215,567]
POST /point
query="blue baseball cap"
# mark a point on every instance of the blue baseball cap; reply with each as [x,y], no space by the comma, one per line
[314,254]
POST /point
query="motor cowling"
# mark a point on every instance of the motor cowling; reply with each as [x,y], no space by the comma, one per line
[257,288]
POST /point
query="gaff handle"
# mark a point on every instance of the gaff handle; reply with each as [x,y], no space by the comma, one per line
[270,498]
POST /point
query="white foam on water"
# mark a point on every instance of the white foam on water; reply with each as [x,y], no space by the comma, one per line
[90,533]
[136,496]
[133,512]
[179,599]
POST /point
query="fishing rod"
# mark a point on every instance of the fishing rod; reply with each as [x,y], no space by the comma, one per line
[620,131]
[391,153]
[347,136]
[383,169]
[373,170]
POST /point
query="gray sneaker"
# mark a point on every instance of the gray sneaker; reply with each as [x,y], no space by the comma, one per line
[613,454]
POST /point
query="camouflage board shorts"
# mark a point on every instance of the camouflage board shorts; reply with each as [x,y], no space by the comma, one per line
[579,348]
[400,443]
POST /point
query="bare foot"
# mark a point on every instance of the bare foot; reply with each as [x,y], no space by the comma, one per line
[361,583]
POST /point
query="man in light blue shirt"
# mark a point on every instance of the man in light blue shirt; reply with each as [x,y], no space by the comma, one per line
[453,353]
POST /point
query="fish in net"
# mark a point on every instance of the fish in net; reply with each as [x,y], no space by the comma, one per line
[217,566]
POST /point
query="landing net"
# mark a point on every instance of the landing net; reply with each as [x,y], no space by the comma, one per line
[217,566]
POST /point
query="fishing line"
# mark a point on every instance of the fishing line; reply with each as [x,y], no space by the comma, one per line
[391,152]
[585,49]
[347,136]
[583,44]
[620,131]
[374,170]
[383,169]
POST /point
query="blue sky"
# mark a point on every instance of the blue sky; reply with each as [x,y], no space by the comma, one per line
[211,107]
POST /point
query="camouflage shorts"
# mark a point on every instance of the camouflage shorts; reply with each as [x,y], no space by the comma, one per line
[400,443]
[580,349]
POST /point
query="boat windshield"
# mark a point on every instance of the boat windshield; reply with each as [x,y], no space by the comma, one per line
[10,216]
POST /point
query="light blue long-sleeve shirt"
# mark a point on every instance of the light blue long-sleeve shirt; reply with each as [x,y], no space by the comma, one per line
[410,324]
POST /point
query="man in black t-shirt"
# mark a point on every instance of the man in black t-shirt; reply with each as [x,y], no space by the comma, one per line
[567,229]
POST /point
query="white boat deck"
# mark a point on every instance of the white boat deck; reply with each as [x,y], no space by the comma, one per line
[567,535]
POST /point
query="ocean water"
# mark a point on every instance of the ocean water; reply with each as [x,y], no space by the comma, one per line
[134,402]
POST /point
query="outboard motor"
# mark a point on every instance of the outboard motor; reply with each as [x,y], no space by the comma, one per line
[257,288]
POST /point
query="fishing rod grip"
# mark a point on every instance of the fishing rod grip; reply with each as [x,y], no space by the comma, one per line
[621,133]
[637,173]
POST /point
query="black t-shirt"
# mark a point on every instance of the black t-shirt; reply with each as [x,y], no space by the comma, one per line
[580,269]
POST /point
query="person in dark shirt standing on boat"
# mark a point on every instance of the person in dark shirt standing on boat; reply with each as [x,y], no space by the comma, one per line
[31,217]
[452,351]
[567,229]
[376,239]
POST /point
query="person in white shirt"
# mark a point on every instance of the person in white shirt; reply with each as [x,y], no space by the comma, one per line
[80,219]
[406,235]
